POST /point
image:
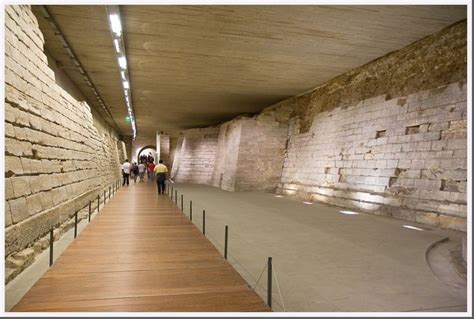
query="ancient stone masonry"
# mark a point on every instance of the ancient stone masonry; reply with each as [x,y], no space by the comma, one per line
[250,151]
[389,137]
[56,159]
[195,161]
[403,157]
[428,63]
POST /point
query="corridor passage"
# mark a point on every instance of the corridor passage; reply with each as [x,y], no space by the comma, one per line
[141,254]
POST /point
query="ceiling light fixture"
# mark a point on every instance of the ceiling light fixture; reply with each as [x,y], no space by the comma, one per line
[115,24]
[117,46]
[122,62]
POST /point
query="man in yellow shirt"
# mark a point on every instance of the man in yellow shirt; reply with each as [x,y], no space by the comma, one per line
[161,172]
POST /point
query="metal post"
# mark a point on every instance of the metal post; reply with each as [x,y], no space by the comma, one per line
[98,203]
[105,195]
[109,192]
[176,197]
[51,246]
[90,210]
[226,237]
[182,207]
[190,210]
[204,222]
[75,225]
[172,191]
[269,283]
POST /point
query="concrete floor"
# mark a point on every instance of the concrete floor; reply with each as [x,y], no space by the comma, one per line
[325,260]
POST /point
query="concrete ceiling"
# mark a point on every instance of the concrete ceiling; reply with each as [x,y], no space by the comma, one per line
[193,66]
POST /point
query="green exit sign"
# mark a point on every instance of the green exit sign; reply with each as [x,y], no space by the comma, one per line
[128,119]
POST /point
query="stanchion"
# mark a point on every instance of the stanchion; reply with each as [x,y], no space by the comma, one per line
[226,237]
[176,197]
[269,282]
[51,246]
[190,210]
[204,222]
[75,224]
[98,203]
[109,192]
[182,207]
[172,192]
[90,210]
[105,195]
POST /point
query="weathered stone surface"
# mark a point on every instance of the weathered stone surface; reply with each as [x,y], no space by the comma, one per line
[452,222]
[54,147]
[19,209]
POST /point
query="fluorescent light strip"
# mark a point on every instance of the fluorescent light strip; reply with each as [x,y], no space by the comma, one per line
[116,25]
[117,46]
[122,62]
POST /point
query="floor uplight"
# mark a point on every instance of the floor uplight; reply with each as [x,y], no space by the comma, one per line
[348,212]
[412,227]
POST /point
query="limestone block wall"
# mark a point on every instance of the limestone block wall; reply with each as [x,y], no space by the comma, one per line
[165,149]
[389,137]
[227,154]
[176,147]
[402,157]
[56,158]
[262,150]
[197,156]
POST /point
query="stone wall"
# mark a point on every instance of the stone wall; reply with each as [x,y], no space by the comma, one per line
[197,156]
[225,168]
[389,138]
[57,156]
[403,157]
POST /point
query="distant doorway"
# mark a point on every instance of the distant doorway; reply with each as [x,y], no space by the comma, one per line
[147,153]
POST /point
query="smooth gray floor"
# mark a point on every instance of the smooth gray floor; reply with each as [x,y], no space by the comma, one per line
[324,260]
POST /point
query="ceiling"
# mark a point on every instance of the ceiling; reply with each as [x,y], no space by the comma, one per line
[192,66]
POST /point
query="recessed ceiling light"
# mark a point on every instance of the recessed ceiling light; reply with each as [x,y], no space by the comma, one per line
[125,84]
[412,227]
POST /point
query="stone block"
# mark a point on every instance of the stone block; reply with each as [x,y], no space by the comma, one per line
[34,203]
[17,148]
[21,186]
[19,209]
[427,218]
[453,222]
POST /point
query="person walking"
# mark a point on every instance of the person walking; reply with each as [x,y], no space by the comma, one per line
[126,172]
[134,172]
[151,170]
[161,172]
[141,171]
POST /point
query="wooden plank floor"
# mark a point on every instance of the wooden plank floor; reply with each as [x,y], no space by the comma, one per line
[141,253]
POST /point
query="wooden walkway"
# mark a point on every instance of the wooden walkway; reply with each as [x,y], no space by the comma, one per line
[141,253]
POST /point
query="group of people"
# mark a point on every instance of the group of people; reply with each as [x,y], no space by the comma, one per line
[159,171]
